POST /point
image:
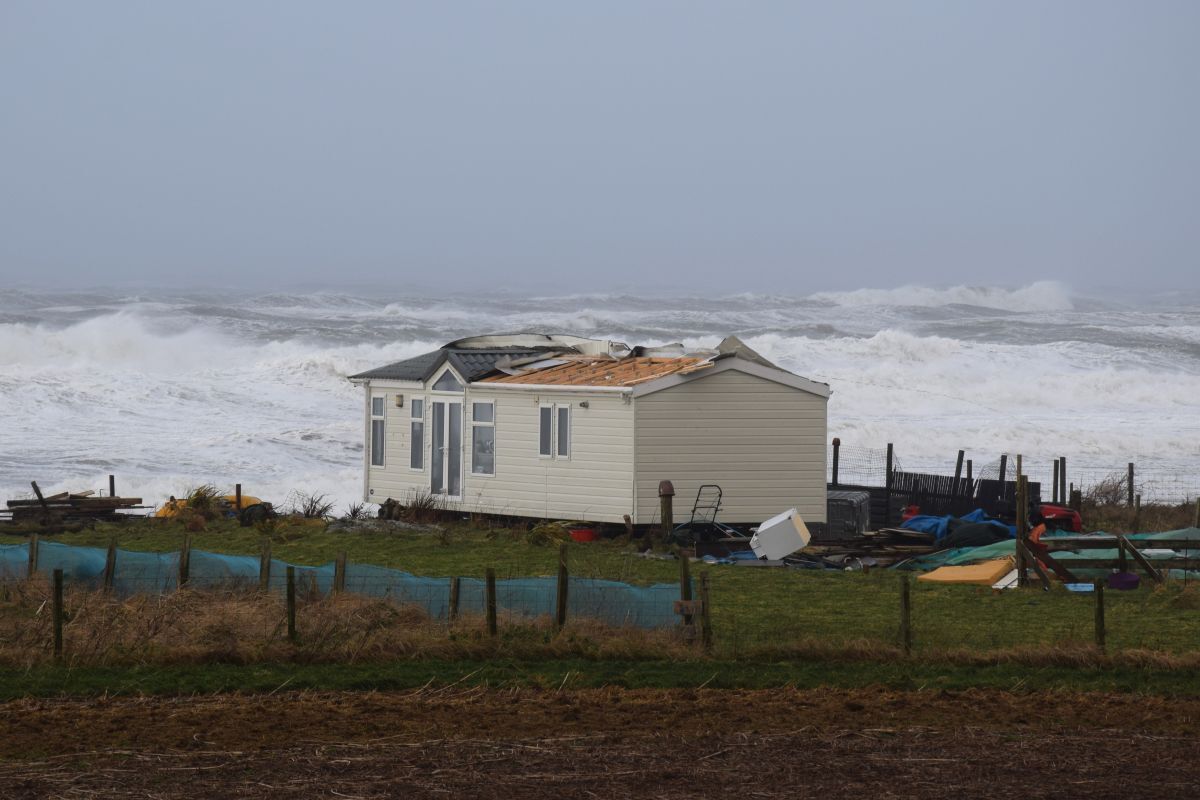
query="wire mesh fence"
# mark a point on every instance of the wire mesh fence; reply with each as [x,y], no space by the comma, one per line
[352,612]
[866,466]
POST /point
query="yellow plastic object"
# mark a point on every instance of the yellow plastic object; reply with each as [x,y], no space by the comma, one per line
[172,508]
[982,574]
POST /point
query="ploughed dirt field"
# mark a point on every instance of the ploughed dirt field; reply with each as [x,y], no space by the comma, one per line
[604,743]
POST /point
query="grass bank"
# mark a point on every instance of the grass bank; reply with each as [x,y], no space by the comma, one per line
[580,673]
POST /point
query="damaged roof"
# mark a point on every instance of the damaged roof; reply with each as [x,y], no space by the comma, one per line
[471,363]
[603,371]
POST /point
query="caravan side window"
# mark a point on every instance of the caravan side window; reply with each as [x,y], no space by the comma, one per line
[378,439]
[416,444]
[554,431]
[483,438]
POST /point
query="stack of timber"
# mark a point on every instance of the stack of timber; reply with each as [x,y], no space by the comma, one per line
[70,506]
[886,546]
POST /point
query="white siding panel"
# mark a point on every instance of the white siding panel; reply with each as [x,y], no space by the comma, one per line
[762,442]
[595,484]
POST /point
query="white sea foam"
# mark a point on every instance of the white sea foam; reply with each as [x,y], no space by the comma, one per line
[171,391]
[1040,296]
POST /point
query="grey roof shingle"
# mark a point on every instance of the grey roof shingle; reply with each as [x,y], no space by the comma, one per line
[470,363]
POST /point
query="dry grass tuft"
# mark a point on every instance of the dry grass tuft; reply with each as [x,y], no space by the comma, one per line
[241,626]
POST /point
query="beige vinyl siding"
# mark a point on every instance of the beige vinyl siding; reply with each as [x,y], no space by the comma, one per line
[595,484]
[761,441]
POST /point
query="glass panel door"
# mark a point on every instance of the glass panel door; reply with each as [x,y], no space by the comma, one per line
[446,458]
[437,472]
[454,450]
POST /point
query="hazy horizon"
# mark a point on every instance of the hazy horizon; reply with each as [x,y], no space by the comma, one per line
[548,147]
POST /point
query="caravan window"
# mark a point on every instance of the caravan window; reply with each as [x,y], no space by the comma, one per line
[483,438]
[416,445]
[378,439]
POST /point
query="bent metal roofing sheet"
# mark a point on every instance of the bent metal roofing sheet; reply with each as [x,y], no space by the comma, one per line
[602,371]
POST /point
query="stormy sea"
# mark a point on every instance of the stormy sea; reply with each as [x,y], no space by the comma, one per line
[170,390]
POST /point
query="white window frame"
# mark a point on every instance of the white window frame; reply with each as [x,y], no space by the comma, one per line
[424,431]
[475,425]
[543,407]
[460,392]
[558,409]
[555,434]
[382,419]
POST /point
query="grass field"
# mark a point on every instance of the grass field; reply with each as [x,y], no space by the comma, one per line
[754,609]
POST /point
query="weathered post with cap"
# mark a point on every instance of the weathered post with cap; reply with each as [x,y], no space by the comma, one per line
[666,497]
[837,449]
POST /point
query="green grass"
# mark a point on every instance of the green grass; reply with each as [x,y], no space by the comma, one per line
[752,607]
[213,678]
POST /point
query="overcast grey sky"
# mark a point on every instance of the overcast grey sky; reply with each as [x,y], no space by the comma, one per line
[604,145]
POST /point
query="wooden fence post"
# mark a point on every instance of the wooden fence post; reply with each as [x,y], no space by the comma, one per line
[112,485]
[1022,514]
[706,637]
[1129,483]
[1098,590]
[906,614]
[970,476]
[1054,487]
[490,600]
[958,470]
[1137,514]
[560,594]
[339,573]
[1003,471]
[1196,521]
[837,450]
[58,614]
[685,582]
[887,484]
[666,498]
[455,588]
[185,561]
[1062,479]
[33,555]
[291,604]
[110,564]
[237,497]
[264,566]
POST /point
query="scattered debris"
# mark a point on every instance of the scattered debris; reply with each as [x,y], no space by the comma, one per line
[70,506]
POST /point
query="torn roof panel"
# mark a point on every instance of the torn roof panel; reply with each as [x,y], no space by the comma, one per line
[603,371]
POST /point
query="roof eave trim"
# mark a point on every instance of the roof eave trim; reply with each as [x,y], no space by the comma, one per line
[552,387]
[779,376]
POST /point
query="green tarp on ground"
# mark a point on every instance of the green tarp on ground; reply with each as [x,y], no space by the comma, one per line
[972,555]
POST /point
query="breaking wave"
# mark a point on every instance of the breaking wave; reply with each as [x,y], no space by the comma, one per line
[168,391]
[1040,296]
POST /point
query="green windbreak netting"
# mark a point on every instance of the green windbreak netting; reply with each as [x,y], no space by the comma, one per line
[136,572]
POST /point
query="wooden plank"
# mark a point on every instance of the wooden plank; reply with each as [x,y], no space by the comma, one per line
[1065,575]
[1031,560]
[1142,561]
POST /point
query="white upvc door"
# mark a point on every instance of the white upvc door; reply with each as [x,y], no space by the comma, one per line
[446,462]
